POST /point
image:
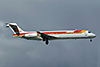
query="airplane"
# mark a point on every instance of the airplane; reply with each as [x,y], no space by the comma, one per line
[51,34]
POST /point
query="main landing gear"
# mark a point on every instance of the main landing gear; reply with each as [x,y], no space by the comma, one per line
[46,41]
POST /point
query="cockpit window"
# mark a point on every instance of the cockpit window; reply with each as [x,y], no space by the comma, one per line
[89,31]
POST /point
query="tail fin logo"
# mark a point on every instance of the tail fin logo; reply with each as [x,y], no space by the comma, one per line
[14,28]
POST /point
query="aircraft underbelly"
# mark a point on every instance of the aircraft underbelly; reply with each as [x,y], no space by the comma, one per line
[33,38]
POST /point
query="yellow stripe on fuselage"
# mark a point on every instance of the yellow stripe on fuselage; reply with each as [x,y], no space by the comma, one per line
[83,31]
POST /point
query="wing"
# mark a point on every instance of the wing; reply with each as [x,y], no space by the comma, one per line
[45,36]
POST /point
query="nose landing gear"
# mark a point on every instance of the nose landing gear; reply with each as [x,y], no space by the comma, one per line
[90,40]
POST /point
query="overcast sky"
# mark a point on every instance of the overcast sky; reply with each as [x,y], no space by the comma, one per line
[49,15]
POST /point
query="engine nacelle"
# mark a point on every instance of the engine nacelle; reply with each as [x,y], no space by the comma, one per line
[30,35]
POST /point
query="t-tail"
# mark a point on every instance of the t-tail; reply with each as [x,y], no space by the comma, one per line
[15,28]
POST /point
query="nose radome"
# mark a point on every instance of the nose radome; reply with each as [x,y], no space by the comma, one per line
[94,35]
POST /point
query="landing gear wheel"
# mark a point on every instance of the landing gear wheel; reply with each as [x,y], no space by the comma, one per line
[47,42]
[90,40]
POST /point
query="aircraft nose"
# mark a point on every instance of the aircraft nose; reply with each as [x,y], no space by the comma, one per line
[94,35]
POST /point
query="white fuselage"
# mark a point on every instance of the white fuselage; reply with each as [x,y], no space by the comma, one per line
[62,34]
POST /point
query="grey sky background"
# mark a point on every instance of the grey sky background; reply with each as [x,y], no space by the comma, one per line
[49,15]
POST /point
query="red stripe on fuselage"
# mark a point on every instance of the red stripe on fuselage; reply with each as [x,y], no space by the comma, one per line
[20,34]
[62,32]
[77,31]
[53,32]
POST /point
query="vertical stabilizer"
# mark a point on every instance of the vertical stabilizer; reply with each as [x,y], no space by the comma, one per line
[15,28]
